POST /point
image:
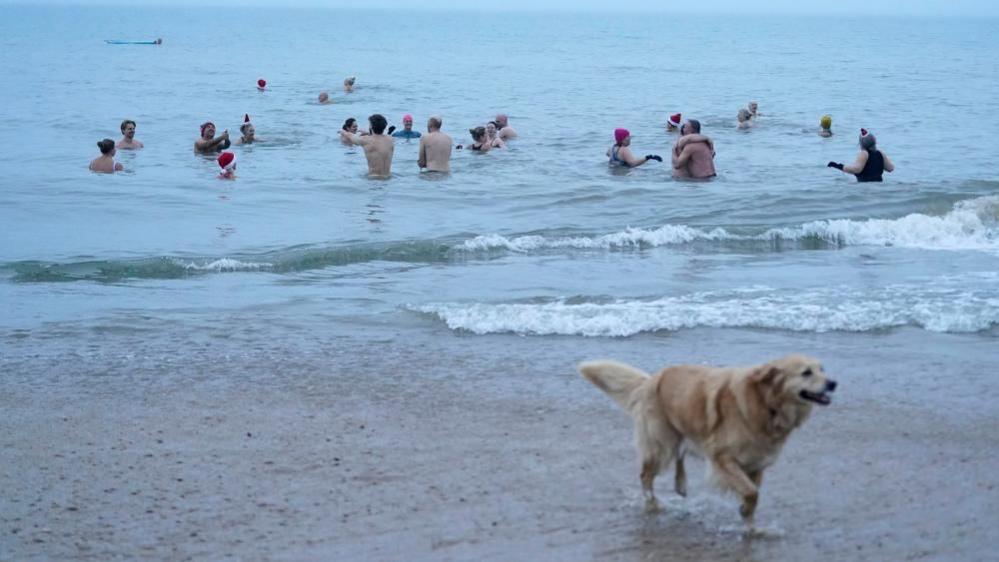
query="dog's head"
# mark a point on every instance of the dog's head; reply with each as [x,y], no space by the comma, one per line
[794,379]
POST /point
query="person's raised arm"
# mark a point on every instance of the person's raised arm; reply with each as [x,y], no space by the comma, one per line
[858,164]
[347,136]
[889,165]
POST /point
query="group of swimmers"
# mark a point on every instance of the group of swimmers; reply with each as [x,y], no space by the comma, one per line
[435,146]
[692,154]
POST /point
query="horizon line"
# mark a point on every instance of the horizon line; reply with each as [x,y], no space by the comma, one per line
[464,9]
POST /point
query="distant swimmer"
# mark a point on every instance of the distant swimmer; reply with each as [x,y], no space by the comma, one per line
[261,84]
[348,84]
[754,109]
[227,163]
[673,123]
[248,132]
[694,153]
[378,147]
[492,133]
[435,148]
[506,132]
[825,125]
[324,98]
[407,131]
[744,119]
[208,143]
[128,141]
[870,164]
[105,163]
[620,154]
[480,141]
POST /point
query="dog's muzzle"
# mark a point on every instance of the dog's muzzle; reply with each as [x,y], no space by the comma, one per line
[821,398]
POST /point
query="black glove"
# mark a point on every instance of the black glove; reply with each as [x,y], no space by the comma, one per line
[391,130]
[836,165]
[655,157]
[458,147]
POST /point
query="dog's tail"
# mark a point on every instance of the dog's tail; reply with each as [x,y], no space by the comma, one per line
[616,379]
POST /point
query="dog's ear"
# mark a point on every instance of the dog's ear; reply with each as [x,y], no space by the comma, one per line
[765,375]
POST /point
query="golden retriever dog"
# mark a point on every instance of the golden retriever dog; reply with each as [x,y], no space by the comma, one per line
[737,418]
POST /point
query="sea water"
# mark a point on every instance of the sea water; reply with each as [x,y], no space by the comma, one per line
[538,239]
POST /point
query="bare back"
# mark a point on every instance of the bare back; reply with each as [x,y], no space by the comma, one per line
[435,152]
[378,149]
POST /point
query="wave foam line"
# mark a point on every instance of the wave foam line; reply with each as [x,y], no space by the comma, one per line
[817,311]
[971,225]
[224,265]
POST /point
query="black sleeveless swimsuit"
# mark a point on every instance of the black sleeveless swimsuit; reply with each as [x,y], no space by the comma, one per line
[874,168]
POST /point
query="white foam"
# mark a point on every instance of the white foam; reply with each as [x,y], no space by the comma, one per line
[223,265]
[817,310]
[971,225]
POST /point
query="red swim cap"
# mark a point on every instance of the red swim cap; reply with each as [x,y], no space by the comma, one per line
[261,83]
[226,159]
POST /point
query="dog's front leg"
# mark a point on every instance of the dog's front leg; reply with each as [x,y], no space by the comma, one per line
[741,483]
[680,477]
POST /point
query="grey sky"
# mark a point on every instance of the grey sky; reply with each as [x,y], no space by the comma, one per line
[988,8]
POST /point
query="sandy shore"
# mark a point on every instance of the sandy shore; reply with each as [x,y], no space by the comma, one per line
[450,447]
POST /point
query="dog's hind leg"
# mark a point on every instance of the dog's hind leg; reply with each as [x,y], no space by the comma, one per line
[650,468]
[680,478]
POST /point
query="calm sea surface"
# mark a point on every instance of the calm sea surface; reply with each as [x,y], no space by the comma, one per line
[539,239]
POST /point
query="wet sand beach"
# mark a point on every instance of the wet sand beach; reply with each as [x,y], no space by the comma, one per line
[431,445]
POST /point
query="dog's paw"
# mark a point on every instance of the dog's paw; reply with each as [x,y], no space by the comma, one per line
[652,505]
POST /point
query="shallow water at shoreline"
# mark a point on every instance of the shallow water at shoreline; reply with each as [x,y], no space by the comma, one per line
[429,445]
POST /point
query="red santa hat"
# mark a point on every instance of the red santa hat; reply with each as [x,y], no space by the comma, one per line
[864,133]
[246,118]
[261,84]
[227,161]
[674,120]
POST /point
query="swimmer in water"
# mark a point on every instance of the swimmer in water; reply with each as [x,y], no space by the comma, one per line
[105,163]
[378,147]
[753,109]
[620,154]
[480,142]
[693,153]
[261,85]
[673,123]
[128,141]
[492,133]
[407,131]
[435,148]
[745,119]
[506,132]
[348,84]
[227,161]
[208,143]
[324,98]
[826,126]
[248,132]
[870,164]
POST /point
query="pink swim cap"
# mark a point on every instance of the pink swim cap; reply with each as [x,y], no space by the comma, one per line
[407,117]
[620,135]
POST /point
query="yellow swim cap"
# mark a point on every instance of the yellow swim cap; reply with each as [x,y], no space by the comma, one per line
[826,121]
